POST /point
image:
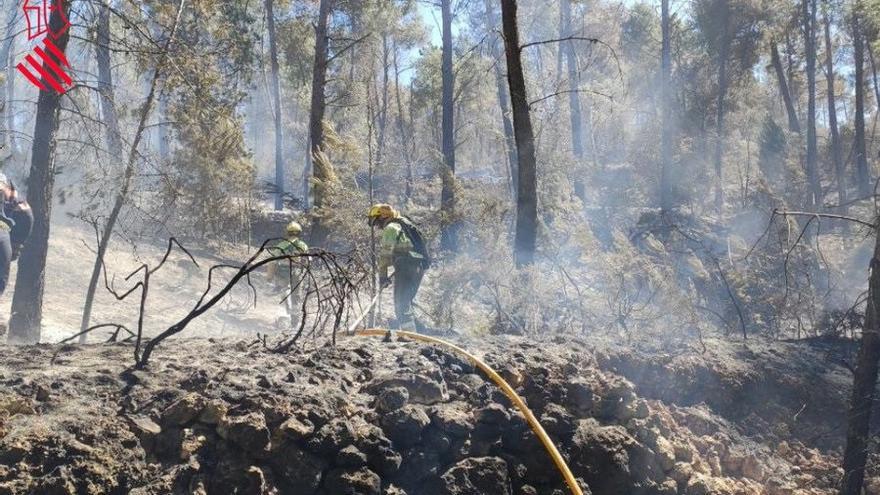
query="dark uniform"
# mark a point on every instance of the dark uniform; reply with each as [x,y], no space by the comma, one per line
[396,249]
[16,221]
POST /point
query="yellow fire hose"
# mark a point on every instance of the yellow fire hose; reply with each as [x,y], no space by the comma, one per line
[505,387]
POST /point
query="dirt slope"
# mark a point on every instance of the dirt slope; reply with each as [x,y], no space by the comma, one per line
[220,416]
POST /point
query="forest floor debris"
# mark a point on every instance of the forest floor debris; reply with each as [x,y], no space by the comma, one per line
[367,417]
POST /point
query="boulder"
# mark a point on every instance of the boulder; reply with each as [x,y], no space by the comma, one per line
[421,388]
[294,429]
[213,413]
[579,395]
[183,411]
[348,481]
[404,426]
[392,399]
[248,432]
[476,476]
[351,457]
[301,470]
[453,420]
[332,437]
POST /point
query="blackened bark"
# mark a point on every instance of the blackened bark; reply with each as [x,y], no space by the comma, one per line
[865,380]
[449,230]
[383,111]
[27,302]
[275,86]
[793,123]
[527,196]
[401,129]
[814,194]
[504,100]
[836,148]
[320,173]
[861,154]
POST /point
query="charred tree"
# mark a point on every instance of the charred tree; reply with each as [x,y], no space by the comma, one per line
[275,86]
[574,102]
[320,172]
[27,302]
[836,148]
[405,137]
[449,231]
[793,123]
[666,202]
[855,454]
[527,195]
[863,175]
[504,99]
[383,111]
[814,194]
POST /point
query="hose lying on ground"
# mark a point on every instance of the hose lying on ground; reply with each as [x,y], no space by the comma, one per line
[504,386]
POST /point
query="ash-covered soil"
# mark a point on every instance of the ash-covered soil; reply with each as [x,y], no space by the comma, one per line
[369,417]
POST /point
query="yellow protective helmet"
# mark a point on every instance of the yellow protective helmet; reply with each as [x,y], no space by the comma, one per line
[294,228]
[381,211]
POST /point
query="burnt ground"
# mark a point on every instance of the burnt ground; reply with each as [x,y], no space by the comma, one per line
[225,416]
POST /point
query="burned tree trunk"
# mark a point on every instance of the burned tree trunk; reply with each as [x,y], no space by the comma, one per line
[449,231]
[504,100]
[814,193]
[527,195]
[383,111]
[861,154]
[864,383]
[836,149]
[719,119]
[793,123]
[276,102]
[401,129]
[320,172]
[27,302]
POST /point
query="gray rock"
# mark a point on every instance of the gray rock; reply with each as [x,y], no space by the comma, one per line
[248,432]
[404,426]
[298,468]
[452,420]
[392,399]
[351,457]
[332,437]
[347,481]
[184,410]
[422,389]
[476,476]
[493,414]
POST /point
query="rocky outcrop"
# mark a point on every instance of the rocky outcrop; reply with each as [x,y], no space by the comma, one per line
[377,418]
